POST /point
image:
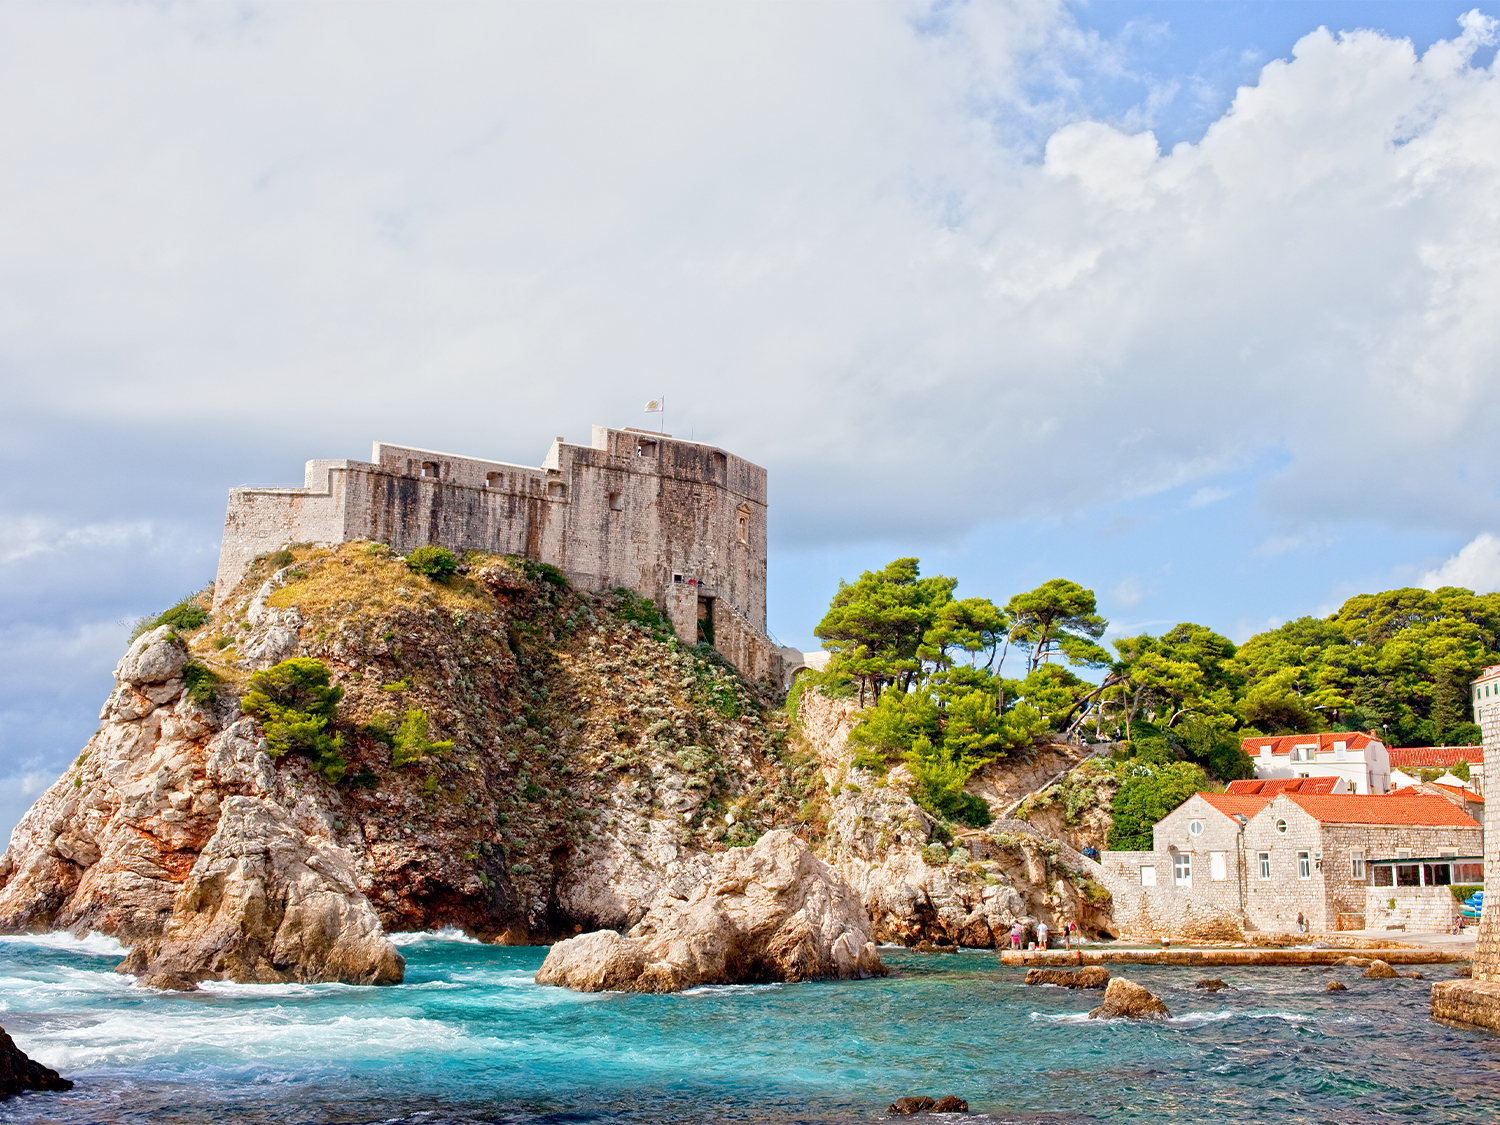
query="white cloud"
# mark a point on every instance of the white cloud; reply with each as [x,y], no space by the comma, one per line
[1128,592]
[1476,567]
[824,231]
[1207,495]
[26,537]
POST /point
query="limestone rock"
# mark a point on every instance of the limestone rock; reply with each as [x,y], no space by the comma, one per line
[1379,970]
[905,1107]
[950,1103]
[1124,999]
[1354,962]
[153,658]
[19,1073]
[1336,986]
[266,902]
[1094,976]
[772,912]
[1412,974]
[1211,984]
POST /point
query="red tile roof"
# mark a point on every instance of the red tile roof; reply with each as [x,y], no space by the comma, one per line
[1348,808]
[1464,793]
[1431,757]
[1231,803]
[1282,785]
[1352,740]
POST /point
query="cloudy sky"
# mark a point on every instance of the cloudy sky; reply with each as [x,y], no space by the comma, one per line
[1191,302]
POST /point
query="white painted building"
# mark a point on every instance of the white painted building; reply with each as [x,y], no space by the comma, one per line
[1363,762]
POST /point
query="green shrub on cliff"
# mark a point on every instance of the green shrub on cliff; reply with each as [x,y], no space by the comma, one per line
[296,705]
[411,743]
[1148,793]
[184,617]
[435,562]
[201,682]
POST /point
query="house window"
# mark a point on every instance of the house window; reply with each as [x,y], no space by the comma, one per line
[1281,827]
[646,449]
[1265,864]
[494,480]
[1318,862]
[1382,877]
[1304,865]
[1468,872]
[616,502]
[1148,875]
[1408,875]
[1357,864]
[1195,827]
[1218,866]
[1182,869]
[430,470]
[1403,853]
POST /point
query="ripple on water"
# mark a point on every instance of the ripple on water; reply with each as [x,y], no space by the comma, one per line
[472,1037]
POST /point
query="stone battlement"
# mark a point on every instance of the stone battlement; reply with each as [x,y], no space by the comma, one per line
[679,522]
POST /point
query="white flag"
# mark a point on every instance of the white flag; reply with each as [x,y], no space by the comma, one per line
[655,406]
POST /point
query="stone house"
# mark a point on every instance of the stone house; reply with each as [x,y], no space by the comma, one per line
[679,522]
[1360,759]
[1222,864]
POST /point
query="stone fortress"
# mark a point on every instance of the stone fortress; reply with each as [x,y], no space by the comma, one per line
[679,522]
[1476,1002]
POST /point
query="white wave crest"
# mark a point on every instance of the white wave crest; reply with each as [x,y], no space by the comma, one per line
[447,933]
[94,944]
[728,989]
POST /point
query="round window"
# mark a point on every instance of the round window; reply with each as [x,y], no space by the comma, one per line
[1195,827]
[1281,827]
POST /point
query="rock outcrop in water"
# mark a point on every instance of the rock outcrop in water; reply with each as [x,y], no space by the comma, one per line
[1124,999]
[771,912]
[19,1073]
[596,767]
[1093,976]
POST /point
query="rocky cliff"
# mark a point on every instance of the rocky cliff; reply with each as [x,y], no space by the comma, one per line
[571,766]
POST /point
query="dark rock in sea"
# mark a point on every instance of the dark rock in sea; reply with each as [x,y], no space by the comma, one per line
[905,1107]
[1304,970]
[1211,984]
[19,1073]
[1335,986]
[1124,999]
[1413,975]
[169,981]
[1379,970]
[951,1104]
[1094,976]
[1464,971]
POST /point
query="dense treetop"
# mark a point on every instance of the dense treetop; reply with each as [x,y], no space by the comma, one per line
[928,668]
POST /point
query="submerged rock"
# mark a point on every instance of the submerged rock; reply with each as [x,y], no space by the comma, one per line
[951,1104]
[905,1107]
[771,912]
[1095,976]
[1124,999]
[1413,975]
[1211,984]
[1379,970]
[1336,986]
[19,1073]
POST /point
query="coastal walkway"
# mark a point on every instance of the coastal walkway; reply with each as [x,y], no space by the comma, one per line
[1205,957]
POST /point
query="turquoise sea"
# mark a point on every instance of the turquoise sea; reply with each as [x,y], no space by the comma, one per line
[470,1038]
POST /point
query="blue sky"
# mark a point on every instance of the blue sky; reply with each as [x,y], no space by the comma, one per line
[1189,302]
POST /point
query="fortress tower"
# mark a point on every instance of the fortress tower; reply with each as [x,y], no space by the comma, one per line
[1476,1002]
[676,521]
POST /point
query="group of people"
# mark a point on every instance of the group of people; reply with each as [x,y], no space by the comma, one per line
[1043,935]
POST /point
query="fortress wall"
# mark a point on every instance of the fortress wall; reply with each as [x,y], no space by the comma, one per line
[260,520]
[634,509]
